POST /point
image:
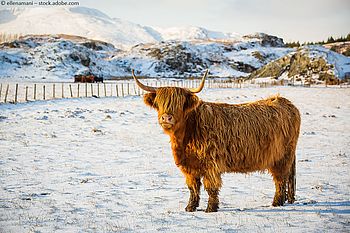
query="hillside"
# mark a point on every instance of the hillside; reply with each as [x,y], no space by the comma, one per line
[312,64]
[60,57]
[79,21]
[94,24]
[85,40]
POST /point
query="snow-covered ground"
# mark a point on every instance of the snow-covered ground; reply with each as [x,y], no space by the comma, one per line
[104,165]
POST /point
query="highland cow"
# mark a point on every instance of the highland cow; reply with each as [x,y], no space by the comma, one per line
[84,78]
[209,139]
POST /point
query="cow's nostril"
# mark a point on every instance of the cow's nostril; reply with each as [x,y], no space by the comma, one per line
[166,118]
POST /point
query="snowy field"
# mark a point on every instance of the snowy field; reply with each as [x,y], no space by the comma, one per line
[104,165]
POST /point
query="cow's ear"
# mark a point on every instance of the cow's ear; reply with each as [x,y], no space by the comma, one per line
[191,103]
[148,98]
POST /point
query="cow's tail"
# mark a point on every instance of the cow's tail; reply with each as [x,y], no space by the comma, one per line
[291,183]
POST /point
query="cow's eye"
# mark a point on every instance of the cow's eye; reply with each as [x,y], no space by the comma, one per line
[155,105]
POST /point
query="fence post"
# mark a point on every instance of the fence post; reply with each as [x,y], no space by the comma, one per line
[71,92]
[34,92]
[78,90]
[92,90]
[116,88]
[62,90]
[26,98]
[53,91]
[85,89]
[7,90]
[44,92]
[111,89]
[16,92]
[104,86]
[128,88]
[98,89]
[122,89]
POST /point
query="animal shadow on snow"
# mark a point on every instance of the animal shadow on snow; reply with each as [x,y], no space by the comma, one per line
[298,207]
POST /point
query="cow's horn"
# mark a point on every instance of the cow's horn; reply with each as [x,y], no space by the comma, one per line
[142,86]
[198,89]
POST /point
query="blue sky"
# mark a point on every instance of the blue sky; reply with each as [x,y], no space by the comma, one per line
[303,20]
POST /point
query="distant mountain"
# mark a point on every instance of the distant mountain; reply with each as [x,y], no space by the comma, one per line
[94,24]
[195,33]
[79,21]
[86,41]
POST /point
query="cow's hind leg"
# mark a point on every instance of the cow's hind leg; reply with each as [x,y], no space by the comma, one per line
[212,185]
[291,184]
[283,173]
[280,194]
[194,184]
[280,185]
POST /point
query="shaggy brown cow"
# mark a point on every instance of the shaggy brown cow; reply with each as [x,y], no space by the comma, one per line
[209,139]
[84,78]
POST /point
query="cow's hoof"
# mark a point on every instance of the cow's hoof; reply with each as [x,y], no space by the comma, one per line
[212,208]
[190,208]
[278,202]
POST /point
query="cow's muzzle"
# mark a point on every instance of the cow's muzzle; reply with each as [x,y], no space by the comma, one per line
[166,121]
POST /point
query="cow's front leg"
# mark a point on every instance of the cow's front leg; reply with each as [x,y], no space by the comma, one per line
[194,184]
[212,185]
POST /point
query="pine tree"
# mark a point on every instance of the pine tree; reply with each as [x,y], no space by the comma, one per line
[330,40]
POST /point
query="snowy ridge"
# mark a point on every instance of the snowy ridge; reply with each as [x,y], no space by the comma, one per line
[307,64]
[340,62]
[195,33]
[60,57]
[94,24]
[78,21]
[69,47]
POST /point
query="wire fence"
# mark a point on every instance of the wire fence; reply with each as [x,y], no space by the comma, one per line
[11,92]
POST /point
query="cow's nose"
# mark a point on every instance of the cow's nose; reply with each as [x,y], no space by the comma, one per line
[167,118]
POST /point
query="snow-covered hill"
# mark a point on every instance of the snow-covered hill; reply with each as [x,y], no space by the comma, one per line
[53,58]
[307,64]
[83,40]
[60,57]
[195,33]
[94,24]
[79,21]
[185,58]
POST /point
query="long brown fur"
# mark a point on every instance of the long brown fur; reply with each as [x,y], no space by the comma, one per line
[209,139]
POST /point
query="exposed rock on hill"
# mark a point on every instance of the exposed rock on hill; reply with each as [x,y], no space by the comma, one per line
[308,64]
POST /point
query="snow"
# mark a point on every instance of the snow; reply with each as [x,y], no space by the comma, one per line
[94,24]
[80,21]
[247,55]
[226,54]
[340,62]
[104,165]
[195,33]
[59,58]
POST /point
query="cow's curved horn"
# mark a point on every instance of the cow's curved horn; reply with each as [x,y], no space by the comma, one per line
[142,86]
[198,89]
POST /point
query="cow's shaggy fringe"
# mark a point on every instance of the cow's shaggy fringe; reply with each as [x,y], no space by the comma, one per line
[209,139]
